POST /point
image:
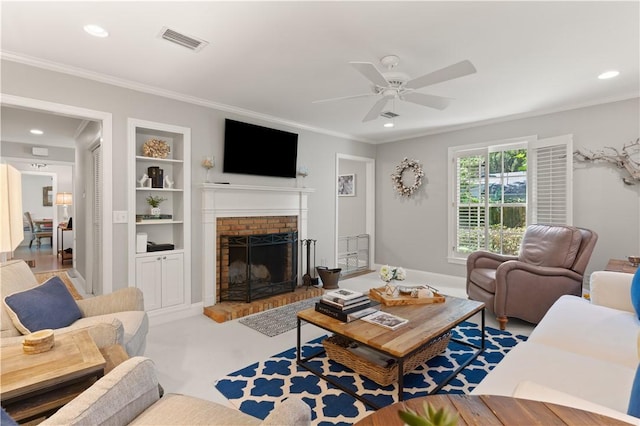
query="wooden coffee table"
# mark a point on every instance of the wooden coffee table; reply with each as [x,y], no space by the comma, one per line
[491,410]
[33,386]
[426,323]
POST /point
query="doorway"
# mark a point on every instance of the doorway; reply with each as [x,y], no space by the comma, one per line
[355,213]
[104,120]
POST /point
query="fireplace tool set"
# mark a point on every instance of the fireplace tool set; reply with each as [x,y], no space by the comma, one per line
[308,279]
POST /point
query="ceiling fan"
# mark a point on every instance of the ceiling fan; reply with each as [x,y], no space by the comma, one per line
[391,84]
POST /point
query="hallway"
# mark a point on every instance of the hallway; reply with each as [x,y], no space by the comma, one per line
[45,259]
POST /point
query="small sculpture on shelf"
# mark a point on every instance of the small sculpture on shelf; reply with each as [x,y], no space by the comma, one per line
[156,148]
[144,181]
[168,183]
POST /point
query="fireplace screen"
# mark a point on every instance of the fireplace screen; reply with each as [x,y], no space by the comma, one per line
[258,266]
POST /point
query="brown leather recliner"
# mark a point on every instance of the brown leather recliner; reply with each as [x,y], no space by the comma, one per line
[551,263]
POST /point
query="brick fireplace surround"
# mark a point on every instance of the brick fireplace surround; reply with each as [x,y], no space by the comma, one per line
[252,210]
[244,226]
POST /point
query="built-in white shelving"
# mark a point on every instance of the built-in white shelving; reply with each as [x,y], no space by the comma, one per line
[163,276]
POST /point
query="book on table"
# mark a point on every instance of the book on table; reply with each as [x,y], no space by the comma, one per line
[342,295]
[385,319]
[349,305]
[347,315]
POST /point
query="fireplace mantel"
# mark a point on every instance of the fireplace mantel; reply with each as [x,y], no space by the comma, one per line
[226,200]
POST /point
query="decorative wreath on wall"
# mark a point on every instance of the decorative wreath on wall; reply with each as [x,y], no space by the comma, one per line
[415,167]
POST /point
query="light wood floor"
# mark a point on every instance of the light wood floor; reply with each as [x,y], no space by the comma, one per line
[44,256]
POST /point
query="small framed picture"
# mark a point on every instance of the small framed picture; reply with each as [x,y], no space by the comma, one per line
[347,185]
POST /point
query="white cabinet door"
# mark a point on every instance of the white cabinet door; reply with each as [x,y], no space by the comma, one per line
[149,280]
[172,280]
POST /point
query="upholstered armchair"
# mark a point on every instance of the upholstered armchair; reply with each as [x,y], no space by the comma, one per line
[551,263]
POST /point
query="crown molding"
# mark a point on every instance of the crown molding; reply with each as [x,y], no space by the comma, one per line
[513,117]
[139,87]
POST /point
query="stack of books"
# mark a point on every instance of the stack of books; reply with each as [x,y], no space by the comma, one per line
[346,305]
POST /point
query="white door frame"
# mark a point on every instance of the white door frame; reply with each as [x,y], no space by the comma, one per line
[107,161]
[370,209]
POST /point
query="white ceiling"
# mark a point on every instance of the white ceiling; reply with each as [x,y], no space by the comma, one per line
[57,130]
[272,59]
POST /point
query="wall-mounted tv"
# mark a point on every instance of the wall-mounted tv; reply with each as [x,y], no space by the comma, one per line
[257,150]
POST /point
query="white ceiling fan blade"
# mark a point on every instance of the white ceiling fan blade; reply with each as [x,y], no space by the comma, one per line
[363,95]
[431,101]
[448,73]
[377,108]
[371,73]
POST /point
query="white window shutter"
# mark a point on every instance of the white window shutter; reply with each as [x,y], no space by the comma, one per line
[551,178]
[470,216]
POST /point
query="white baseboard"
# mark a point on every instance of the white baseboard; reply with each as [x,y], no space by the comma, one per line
[163,316]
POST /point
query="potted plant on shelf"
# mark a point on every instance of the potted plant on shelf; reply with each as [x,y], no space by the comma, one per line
[154,203]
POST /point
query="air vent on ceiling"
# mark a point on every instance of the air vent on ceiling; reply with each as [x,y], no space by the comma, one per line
[389,114]
[183,40]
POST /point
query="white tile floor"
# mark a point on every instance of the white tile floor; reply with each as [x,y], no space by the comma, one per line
[190,354]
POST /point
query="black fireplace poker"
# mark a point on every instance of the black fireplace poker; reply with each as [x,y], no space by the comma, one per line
[307,279]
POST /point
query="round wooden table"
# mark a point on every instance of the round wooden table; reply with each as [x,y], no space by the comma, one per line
[491,410]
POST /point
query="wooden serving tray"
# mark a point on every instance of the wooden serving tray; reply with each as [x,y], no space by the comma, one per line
[381,296]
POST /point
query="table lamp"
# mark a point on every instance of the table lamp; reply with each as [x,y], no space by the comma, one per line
[64,199]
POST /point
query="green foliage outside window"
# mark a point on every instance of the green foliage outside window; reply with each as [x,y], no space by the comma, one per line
[505,188]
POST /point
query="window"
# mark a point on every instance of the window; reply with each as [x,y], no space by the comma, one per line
[500,187]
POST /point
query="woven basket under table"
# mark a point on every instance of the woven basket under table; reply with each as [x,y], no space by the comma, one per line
[336,348]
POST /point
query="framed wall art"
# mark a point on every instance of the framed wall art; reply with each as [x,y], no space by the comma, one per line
[47,196]
[347,185]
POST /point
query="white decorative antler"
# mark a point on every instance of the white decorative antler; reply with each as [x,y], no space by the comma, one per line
[620,159]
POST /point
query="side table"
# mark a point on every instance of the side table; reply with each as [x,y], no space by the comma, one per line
[620,265]
[38,385]
[63,254]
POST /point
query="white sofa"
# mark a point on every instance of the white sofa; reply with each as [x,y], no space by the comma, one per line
[582,354]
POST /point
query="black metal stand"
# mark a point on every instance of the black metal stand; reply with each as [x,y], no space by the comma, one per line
[308,279]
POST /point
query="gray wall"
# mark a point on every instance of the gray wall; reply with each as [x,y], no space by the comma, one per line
[352,210]
[413,233]
[317,151]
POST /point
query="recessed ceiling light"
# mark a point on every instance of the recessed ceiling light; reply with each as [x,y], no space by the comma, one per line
[36,131]
[388,125]
[608,74]
[96,30]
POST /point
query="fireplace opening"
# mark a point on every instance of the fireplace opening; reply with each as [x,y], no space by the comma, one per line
[258,266]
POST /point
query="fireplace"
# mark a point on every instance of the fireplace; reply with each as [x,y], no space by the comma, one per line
[258,266]
[243,210]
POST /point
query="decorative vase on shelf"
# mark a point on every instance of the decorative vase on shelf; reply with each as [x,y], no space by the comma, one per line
[155,211]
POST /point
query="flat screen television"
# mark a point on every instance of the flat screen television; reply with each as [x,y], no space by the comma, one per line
[255,150]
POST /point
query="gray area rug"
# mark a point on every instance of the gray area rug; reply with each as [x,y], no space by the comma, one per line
[278,320]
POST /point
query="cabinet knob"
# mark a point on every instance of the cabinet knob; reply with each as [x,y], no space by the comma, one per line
[164,257]
[158,259]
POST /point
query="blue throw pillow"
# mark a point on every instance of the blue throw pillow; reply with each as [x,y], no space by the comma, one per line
[635,292]
[6,420]
[49,305]
[634,401]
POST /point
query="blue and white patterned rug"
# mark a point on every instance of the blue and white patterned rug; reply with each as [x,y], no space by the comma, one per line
[258,388]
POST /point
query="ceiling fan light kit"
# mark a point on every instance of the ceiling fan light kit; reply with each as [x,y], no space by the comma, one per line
[398,85]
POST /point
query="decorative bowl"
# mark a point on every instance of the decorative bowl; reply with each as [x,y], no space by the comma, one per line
[38,342]
[634,260]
